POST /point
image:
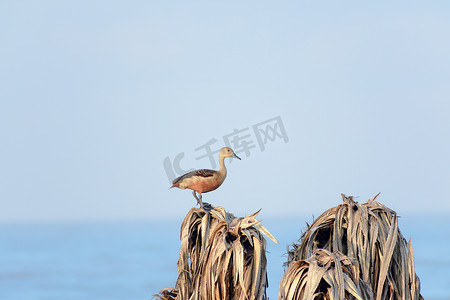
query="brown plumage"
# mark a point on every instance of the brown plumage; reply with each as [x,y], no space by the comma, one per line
[205,180]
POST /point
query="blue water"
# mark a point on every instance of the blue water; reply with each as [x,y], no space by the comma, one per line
[133,260]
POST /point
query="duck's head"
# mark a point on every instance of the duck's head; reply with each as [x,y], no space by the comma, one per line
[228,152]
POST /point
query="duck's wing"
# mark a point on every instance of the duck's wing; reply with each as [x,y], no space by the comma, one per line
[201,173]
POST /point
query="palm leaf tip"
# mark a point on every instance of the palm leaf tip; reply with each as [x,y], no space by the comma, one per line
[166,294]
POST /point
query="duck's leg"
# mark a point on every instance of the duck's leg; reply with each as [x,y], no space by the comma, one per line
[195,196]
[199,200]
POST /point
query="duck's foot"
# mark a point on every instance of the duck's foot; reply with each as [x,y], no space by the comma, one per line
[203,205]
[207,207]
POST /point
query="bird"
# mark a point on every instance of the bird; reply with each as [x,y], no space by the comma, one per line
[205,180]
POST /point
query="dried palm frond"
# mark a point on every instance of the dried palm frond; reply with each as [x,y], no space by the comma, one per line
[369,233]
[324,275]
[221,257]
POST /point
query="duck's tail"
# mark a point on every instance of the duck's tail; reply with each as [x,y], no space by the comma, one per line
[173,185]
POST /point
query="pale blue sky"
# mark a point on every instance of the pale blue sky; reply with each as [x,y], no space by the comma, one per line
[95,95]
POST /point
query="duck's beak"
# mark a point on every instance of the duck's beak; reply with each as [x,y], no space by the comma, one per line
[235,156]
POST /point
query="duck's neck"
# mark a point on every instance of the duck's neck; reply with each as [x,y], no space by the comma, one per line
[222,170]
